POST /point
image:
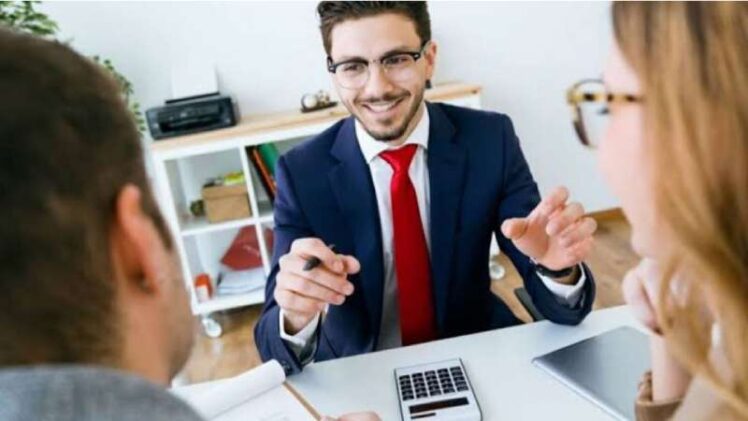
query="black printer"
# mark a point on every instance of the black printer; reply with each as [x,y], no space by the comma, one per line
[191,115]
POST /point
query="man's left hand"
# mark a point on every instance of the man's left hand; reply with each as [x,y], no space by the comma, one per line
[556,234]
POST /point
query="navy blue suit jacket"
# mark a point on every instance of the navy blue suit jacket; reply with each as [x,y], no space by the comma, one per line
[478,178]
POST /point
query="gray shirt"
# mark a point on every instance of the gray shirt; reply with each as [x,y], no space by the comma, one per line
[85,393]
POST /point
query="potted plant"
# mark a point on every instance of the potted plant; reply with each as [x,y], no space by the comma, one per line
[23,16]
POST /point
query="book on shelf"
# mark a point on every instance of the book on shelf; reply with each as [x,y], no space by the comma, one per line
[270,155]
[263,171]
[261,394]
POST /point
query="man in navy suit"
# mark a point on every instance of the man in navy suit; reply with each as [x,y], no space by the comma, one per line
[409,193]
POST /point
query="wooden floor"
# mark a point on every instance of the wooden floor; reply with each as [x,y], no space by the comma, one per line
[235,351]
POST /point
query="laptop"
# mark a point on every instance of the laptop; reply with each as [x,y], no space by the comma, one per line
[606,369]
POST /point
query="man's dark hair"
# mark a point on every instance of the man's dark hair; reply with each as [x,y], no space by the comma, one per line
[332,13]
[68,145]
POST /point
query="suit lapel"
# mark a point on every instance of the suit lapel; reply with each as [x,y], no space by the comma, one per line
[353,188]
[446,166]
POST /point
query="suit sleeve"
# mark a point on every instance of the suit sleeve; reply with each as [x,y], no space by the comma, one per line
[290,224]
[519,196]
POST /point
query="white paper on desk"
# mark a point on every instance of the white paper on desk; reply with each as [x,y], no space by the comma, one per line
[257,395]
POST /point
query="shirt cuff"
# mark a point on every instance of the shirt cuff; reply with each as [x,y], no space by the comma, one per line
[567,294]
[301,343]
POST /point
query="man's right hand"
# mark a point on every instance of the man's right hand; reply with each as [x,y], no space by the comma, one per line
[303,294]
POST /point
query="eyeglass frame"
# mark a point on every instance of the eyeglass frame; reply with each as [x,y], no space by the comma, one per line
[575,98]
[416,55]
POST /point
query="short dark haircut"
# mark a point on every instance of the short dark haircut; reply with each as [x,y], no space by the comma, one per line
[68,145]
[332,13]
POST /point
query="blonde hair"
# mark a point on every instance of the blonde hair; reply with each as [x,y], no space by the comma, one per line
[692,60]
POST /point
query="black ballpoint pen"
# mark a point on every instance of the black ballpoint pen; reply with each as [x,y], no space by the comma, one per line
[315,261]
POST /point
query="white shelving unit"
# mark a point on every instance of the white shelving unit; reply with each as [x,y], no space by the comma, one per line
[183,164]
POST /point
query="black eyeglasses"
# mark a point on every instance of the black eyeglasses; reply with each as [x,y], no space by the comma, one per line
[589,100]
[398,66]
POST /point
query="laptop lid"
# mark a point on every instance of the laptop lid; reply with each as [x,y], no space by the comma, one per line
[605,369]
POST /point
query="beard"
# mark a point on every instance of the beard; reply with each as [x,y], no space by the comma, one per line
[397,131]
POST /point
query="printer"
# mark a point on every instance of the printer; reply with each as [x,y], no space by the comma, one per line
[194,114]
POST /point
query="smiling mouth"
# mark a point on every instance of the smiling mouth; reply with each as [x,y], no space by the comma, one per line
[379,107]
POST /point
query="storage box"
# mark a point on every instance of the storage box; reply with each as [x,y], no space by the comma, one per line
[224,203]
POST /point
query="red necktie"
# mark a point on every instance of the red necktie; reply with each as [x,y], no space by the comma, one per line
[417,321]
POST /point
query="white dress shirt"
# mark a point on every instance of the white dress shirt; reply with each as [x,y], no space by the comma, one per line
[381,174]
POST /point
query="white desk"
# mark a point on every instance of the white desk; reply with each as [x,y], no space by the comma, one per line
[499,364]
[508,386]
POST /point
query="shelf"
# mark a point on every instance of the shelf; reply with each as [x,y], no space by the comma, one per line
[194,226]
[190,226]
[225,302]
[267,128]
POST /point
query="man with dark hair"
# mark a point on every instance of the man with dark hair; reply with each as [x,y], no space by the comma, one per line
[94,310]
[410,194]
[95,318]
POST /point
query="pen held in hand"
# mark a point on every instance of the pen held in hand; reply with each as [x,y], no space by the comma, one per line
[315,261]
[312,263]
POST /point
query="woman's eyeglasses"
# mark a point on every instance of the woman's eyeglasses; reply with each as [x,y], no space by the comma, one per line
[589,100]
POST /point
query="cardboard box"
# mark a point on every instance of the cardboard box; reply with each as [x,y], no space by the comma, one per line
[224,203]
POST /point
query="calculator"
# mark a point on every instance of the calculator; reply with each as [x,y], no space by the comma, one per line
[436,391]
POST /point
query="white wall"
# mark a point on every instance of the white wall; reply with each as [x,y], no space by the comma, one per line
[268,53]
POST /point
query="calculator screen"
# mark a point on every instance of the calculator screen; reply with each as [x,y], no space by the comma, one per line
[433,406]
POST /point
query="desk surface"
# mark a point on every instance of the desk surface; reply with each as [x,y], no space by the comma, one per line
[508,386]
